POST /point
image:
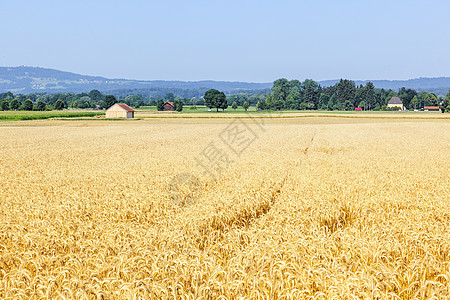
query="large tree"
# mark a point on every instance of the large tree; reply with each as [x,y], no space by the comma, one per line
[415,102]
[294,98]
[160,105]
[95,96]
[445,104]
[280,90]
[323,101]
[346,90]
[407,95]
[28,105]
[110,100]
[245,105]
[59,105]
[177,105]
[40,106]
[215,99]
[431,99]
[370,95]
[310,93]
[5,105]
[15,104]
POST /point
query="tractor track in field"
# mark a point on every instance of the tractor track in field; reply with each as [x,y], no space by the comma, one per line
[305,151]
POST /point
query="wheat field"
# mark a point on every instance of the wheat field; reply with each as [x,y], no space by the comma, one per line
[299,208]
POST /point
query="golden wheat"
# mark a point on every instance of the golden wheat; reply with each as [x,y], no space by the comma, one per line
[326,208]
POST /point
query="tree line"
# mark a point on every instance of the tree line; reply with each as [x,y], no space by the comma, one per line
[344,95]
[58,101]
[92,100]
[284,94]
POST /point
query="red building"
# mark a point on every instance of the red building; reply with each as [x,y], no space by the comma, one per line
[432,108]
[168,106]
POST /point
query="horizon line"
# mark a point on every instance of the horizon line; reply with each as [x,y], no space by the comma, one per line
[231,81]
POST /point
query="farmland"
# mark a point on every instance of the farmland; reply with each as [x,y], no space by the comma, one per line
[301,207]
[42,115]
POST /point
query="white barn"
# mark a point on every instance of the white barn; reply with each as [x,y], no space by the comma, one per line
[120,110]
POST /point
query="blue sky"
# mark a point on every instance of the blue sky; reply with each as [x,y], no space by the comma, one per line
[244,40]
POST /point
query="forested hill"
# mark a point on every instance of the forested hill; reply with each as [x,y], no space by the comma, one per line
[35,80]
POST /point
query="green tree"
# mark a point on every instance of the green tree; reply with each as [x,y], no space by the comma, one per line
[348,105]
[160,105]
[110,100]
[96,96]
[360,95]
[294,98]
[338,106]
[261,105]
[28,105]
[177,105]
[415,102]
[389,96]
[138,101]
[14,104]
[431,99]
[215,99]
[84,102]
[323,101]
[370,95]
[74,104]
[280,90]
[269,102]
[379,98]
[346,91]
[40,106]
[310,92]
[279,104]
[421,96]
[233,98]
[445,104]
[224,105]
[5,105]
[290,102]
[59,105]
[234,105]
[245,105]
[406,95]
[128,100]
[332,102]
[362,105]
[84,105]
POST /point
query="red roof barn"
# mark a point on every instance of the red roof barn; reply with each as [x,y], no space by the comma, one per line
[120,110]
[168,106]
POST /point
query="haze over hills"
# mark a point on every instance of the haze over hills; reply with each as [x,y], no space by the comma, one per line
[42,80]
[25,80]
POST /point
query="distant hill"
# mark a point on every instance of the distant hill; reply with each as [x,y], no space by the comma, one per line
[40,80]
[26,80]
